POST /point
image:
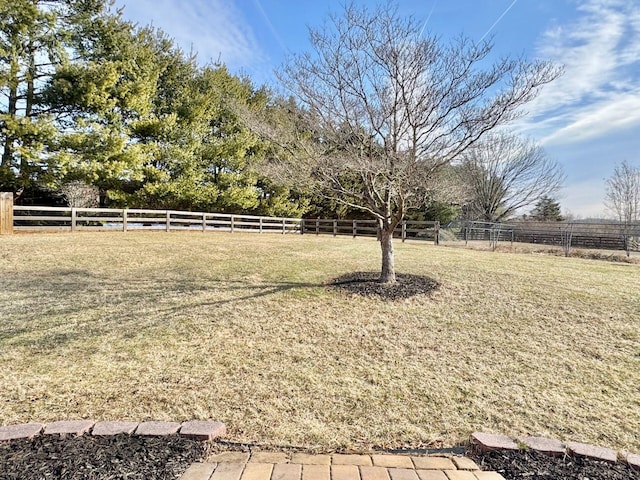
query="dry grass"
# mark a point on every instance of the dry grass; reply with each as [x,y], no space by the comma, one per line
[538,248]
[239,328]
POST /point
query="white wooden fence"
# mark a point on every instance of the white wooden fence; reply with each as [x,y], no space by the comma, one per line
[76,219]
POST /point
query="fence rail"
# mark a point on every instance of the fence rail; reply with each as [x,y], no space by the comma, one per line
[76,219]
[408,229]
[601,236]
[608,236]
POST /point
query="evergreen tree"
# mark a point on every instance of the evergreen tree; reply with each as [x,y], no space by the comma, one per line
[547,210]
[32,45]
[108,93]
[53,73]
[94,99]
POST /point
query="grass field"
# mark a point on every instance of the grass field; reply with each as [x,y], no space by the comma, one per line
[240,328]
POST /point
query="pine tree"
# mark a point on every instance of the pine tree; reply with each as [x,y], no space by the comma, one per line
[547,210]
[31,47]
[40,43]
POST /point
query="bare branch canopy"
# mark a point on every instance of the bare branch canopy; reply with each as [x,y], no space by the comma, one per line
[505,173]
[623,193]
[387,108]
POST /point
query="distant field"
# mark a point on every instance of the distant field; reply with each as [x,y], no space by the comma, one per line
[240,328]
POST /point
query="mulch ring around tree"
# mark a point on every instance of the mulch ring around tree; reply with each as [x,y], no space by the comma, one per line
[118,457]
[367,284]
[532,465]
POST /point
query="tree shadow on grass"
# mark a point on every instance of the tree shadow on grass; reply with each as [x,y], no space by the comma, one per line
[256,291]
[54,308]
[61,306]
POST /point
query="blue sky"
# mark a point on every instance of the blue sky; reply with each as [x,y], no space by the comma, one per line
[588,120]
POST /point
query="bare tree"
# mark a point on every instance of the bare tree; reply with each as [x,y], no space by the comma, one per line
[623,193]
[387,108]
[505,173]
[80,195]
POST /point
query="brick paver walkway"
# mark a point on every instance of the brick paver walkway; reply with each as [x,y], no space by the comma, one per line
[301,466]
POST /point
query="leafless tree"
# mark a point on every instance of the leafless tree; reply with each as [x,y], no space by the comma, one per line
[623,193]
[80,195]
[387,108]
[505,173]
[566,235]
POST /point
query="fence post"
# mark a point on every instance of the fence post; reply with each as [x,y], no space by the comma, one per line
[625,239]
[436,228]
[6,213]
[335,228]
[204,221]
[284,226]
[74,218]
[317,226]
[232,222]
[124,219]
[260,227]
[302,226]
[168,220]
[404,230]
[355,228]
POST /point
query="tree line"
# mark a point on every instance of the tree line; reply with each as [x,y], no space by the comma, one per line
[92,100]
[92,103]
[379,120]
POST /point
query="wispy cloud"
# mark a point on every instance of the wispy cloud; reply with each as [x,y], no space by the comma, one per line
[616,112]
[600,90]
[214,29]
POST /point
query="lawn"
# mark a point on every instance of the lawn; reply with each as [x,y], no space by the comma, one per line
[241,328]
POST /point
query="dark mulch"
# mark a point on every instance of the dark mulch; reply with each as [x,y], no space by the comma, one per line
[134,457]
[532,465]
[368,284]
[105,458]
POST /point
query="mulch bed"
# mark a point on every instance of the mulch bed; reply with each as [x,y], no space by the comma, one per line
[532,465]
[124,456]
[162,458]
[367,284]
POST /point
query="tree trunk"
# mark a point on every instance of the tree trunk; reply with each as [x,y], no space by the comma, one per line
[388,274]
[7,154]
[12,109]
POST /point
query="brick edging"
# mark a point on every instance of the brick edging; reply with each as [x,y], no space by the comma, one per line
[210,430]
[487,442]
[194,429]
